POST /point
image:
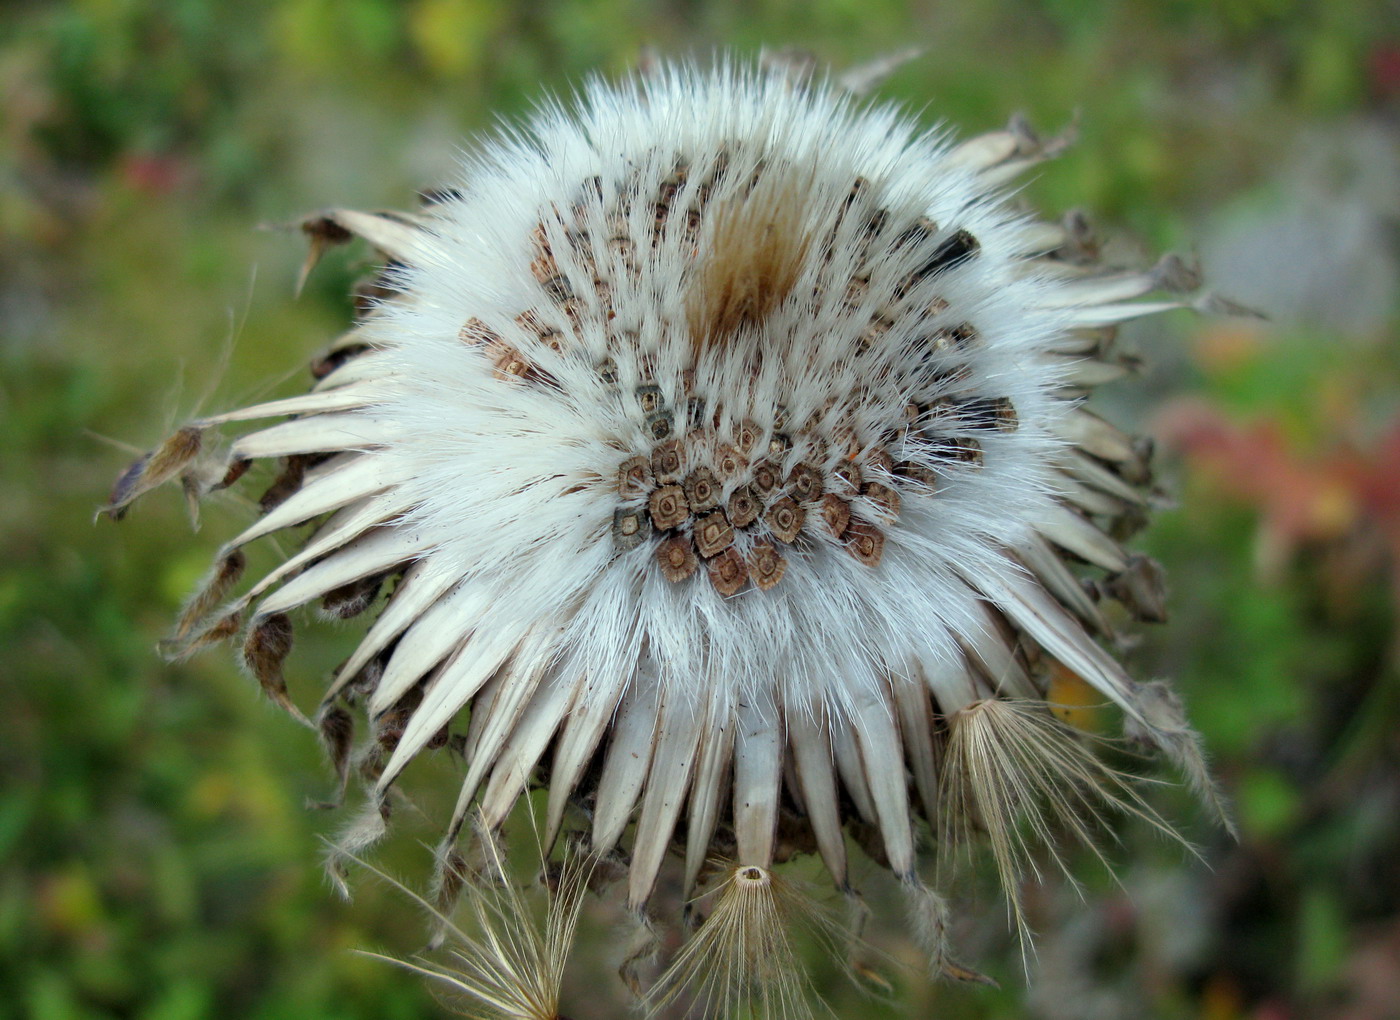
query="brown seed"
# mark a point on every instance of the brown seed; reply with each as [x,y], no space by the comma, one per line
[917,473]
[668,461]
[765,479]
[634,477]
[650,398]
[952,251]
[746,437]
[988,412]
[557,287]
[575,310]
[804,482]
[474,332]
[865,542]
[695,411]
[607,372]
[668,507]
[729,462]
[630,528]
[540,237]
[544,268]
[836,512]
[743,507]
[509,363]
[920,230]
[660,425]
[878,459]
[625,250]
[966,451]
[780,444]
[766,565]
[878,326]
[728,572]
[847,478]
[676,558]
[856,290]
[713,534]
[785,519]
[885,498]
[955,338]
[702,490]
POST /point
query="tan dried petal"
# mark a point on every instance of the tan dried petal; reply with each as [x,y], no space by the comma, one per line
[713,534]
[668,507]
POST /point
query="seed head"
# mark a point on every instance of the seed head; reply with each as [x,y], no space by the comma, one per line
[717,446]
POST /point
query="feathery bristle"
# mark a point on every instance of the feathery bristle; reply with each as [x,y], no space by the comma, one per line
[506,961]
[1024,778]
[743,958]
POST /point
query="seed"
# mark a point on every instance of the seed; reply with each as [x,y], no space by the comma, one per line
[743,507]
[785,519]
[702,490]
[865,542]
[766,565]
[668,507]
[728,572]
[713,534]
[676,558]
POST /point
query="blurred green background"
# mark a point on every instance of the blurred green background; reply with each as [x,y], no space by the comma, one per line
[157,860]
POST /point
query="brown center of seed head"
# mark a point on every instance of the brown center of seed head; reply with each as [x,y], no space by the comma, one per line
[730,494]
[755,252]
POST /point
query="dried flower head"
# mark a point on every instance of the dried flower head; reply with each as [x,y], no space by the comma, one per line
[715,455]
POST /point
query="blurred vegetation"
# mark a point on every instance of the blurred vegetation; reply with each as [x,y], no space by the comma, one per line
[156,857]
